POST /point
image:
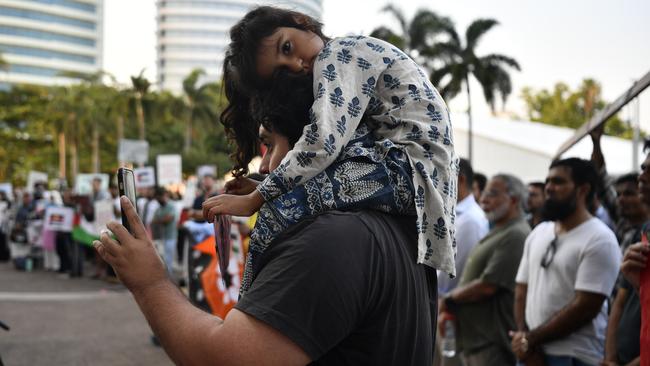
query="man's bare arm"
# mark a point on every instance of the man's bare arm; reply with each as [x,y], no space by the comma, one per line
[612,324]
[580,311]
[521,290]
[189,335]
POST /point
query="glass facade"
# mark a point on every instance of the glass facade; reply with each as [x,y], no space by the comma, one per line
[45,36]
[45,40]
[45,17]
[195,33]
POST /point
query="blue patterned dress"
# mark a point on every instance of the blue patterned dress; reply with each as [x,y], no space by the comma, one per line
[362,177]
[354,76]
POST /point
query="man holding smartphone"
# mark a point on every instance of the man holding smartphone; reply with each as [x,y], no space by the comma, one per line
[310,301]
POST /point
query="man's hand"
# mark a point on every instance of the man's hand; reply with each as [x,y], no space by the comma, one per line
[634,261]
[520,346]
[133,257]
[608,363]
[241,186]
[227,204]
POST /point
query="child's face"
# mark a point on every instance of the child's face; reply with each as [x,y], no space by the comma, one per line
[277,147]
[289,48]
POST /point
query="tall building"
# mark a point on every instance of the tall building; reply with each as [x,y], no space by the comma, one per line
[44,41]
[194,34]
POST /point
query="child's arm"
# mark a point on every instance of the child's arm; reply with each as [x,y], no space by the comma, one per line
[345,74]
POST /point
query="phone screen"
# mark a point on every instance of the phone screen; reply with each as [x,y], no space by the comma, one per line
[126,186]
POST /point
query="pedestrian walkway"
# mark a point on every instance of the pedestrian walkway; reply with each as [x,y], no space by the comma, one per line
[55,320]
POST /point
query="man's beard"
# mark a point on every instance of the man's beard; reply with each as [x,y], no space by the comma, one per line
[498,213]
[559,210]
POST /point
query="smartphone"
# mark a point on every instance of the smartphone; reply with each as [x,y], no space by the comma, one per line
[126,187]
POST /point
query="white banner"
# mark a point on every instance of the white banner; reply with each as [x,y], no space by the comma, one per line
[145,177]
[8,189]
[133,151]
[169,169]
[204,170]
[35,177]
[103,214]
[84,183]
[59,219]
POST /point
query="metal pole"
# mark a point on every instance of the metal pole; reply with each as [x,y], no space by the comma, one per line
[635,137]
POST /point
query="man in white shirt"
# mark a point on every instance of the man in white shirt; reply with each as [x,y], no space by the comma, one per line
[569,267]
[471,226]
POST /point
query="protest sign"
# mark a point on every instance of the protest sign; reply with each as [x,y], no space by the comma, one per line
[84,183]
[59,219]
[133,151]
[35,177]
[103,214]
[204,170]
[145,177]
[169,169]
[8,189]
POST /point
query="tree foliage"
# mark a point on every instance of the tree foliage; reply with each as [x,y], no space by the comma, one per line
[33,116]
[564,107]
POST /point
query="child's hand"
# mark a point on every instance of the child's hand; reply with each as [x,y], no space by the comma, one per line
[241,186]
[228,204]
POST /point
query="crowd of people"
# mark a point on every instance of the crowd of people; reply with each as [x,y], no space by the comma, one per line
[27,241]
[540,268]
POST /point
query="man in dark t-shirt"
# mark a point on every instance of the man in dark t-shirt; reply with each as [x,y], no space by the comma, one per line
[346,289]
[338,289]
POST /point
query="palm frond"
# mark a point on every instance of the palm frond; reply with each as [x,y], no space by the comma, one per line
[390,37]
[399,16]
[497,59]
[477,29]
[427,24]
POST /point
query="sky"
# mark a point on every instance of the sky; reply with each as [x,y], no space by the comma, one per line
[553,41]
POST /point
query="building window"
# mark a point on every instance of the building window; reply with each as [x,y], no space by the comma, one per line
[48,54]
[45,36]
[68,4]
[45,17]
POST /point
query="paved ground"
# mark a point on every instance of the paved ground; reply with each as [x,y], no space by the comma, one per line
[62,321]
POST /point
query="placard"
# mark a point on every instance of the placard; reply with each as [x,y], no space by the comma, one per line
[133,151]
[84,183]
[169,169]
[204,170]
[103,214]
[8,189]
[145,177]
[35,177]
[59,219]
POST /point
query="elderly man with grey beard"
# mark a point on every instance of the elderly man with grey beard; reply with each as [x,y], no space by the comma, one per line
[482,302]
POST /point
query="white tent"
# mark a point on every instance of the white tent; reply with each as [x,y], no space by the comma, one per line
[525,149]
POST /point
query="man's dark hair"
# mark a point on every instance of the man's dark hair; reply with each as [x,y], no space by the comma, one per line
[628,178]
[538,185]
[284,108]
[160,191]
[582,172]
[481,180]
[465,169]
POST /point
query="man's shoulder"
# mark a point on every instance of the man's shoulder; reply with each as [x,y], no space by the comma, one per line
[598,231]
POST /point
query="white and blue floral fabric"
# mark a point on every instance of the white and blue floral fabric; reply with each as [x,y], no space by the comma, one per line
[362,177]
[360,75]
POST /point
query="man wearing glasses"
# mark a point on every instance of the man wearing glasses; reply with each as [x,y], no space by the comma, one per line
[569,267]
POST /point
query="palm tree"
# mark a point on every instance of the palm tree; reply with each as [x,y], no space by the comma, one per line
[461,61]
[201,103]
[140,88]
[416,36]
